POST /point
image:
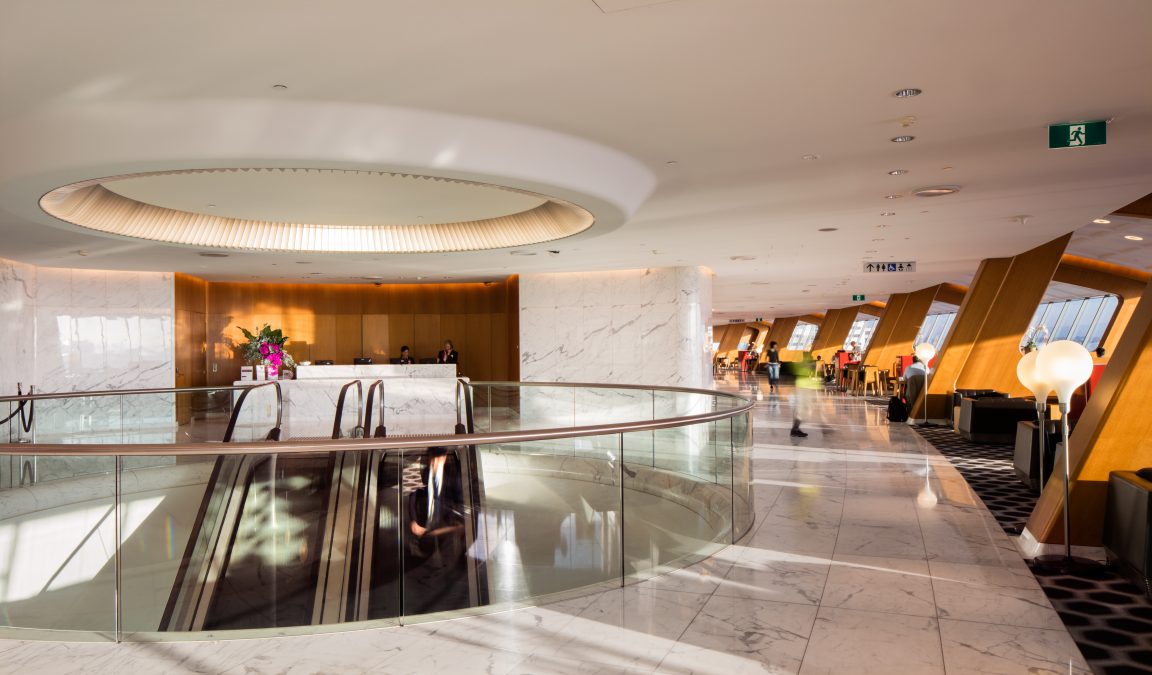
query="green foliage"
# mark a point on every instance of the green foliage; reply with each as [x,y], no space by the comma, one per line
[265,335]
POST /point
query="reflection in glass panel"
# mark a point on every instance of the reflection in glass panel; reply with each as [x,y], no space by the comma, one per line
[1064,322]
[1088,312]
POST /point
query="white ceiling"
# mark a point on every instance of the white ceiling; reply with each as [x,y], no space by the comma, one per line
[718,99]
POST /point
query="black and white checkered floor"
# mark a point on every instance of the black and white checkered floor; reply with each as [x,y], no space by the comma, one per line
[1109,616]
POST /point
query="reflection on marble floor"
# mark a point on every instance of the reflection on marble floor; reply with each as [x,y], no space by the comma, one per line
[869,555]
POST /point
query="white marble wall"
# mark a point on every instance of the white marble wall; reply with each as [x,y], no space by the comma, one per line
[646,326]
[67,330]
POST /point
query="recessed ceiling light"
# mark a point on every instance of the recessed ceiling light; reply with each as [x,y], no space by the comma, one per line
[1102,221]
[303,262]
[907,93]
[810,157]
[279,86]
[521,252]
[888,213]
[893,196]
[1133,237]
[804,290]
[828,229]
[742,257]
[211,206]
[671,162]
[945,168]
[897,172]
[212,254]
[902,139]
[937,191]
[761,283]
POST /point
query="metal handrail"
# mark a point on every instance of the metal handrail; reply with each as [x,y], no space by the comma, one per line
[400,442]
[336,431]
[134,392]
[274,433]
[380,430]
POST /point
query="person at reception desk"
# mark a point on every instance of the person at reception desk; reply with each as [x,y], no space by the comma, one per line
[405,358]
[448,354]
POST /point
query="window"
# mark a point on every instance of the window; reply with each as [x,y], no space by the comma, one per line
[802,337]
[935,329]
[861,332]
[1082,320]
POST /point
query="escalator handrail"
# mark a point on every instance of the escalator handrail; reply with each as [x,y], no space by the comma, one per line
[464,391]
[274,434]
[130,392]
[378,384]
[742,405]
[26,420]
[340,406]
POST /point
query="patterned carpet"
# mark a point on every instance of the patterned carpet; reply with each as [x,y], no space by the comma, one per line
[1109,616]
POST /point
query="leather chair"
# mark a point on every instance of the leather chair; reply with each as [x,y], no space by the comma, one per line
[1128,525]
[1026,458]
[992,419]
[960,394]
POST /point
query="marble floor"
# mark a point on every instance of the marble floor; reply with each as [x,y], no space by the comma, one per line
[870,554]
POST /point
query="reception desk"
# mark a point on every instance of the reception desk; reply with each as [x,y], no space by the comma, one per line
[418,399]
[376,371]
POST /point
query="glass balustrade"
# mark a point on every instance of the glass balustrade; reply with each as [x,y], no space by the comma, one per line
[124,516]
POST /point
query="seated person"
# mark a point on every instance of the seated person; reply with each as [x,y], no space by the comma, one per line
[915,376]
[448,354]
[405,358]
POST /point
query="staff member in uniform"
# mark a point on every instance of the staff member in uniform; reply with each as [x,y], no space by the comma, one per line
[448,354]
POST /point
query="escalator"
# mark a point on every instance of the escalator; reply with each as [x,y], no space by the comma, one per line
[288,540]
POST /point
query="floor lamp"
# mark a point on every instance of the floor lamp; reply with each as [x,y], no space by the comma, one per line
[1065,365]
[925,351]
[1028,375]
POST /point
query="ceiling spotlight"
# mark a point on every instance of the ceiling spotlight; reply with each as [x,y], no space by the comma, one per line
[1133,237]
[888,213]
[945,168]
[279,86]
[897,172]
[211,206]
[937,191]
[902,139]
[907,93]
[303,262]
[893,196]
[742,257]
[518,252]
[212,254]
[810,157]
[1102,221]
[828,229]
[671,162]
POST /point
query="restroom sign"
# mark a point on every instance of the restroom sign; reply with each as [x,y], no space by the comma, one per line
[1077,134]
[872,267]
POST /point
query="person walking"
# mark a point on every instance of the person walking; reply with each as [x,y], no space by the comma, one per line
[806,386]
[773,354]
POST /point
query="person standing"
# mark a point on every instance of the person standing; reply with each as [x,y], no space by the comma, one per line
[915,377]
[448,354]
[773,354]
[405,357]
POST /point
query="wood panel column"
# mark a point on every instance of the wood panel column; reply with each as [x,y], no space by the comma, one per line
[983,345]
[1112,434]
[833,331]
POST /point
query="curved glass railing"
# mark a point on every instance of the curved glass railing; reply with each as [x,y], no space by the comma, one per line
[128,519]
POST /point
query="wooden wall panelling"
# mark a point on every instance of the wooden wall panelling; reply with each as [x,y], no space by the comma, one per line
[983,345]
[478,333]
[1111,435]
[427,341]
[908,324]
[878,347]
[402,331]
[963,334]
[834,331]
[349,336]
[499,368]
[374,338]
[512,311]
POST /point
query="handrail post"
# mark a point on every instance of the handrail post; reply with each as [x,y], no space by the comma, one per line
[117,602]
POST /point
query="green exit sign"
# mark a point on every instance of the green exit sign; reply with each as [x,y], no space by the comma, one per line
[857,298]
[1077,134]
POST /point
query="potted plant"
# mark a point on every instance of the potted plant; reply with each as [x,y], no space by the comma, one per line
[266,346]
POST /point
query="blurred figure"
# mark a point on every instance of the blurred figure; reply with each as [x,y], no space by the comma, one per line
[915,377]
[435,569]
[806,386]
[405,358]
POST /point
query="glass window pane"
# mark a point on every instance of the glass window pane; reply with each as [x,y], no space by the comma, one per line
[1100,324]
[1064,324]
[1051,312]
[1088,312]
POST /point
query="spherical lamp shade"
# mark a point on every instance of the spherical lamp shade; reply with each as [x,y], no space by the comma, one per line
[1029,376]
[925,351]
[1065,365]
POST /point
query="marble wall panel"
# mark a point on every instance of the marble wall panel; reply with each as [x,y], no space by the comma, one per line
[625,327]
[72,330]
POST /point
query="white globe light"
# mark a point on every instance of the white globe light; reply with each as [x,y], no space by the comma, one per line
[1029,376]
[925,351]
[1065,365]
